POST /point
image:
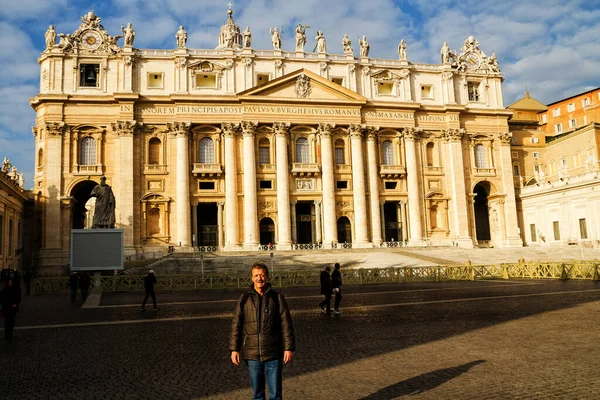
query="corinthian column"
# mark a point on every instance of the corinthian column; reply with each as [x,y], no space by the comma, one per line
[359,192]
[329,220]
[250,211]
[125,131]
[414,190]
[181,130]
[54,141]
[372,165]
[284,237]
[231,205]
[510,227]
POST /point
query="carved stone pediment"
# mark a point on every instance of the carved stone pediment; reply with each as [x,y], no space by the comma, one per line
[89,38]
[206,66]
[387,75]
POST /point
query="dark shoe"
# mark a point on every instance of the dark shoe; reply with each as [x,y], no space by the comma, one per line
[156,309]
[143,309]
[336,312]
[322,309]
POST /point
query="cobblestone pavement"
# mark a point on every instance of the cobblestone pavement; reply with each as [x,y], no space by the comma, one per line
[455,340]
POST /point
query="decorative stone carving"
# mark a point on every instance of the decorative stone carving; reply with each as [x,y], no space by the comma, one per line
[404,73]
[323,67]
[355,130]
[472,59]
[342,204]
[347,45]
[6,165]
[265,205]
[411,133]
[281,128]
[180,62]
[55,128]
[181,37]
[247,38]
[247,61]
[324,129]
[447,76]
[229,64]
[104,210]
[351,69]
[275,38]
[505,138]
[371,132]
[230,129]
[364,47]
[300,37]
[402,50]
[129,35]
[50,37]
[304,184]
[445,52]
[248,128]
[302,87]
[34,131]
[278,64]
[453,134]
[230,36]
[124,128]
[129,60]
[179,128]
[321,43]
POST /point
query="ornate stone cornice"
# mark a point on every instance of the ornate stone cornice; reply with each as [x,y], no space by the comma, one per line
[230,129]
[129,60]
[248,128]
[453,135]
[179,128]
[325,128]
[281,128]
[355,130]
[505,137]
[448,75]
[55,128]
[181,62]
[411,133]
[124,128]
[371,132]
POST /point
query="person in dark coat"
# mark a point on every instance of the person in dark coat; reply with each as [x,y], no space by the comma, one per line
[27,280]
[149,282]
[84,285]
[74,282]
[336,284]
[325,305]
[10,297]
[16,278]
[262,331]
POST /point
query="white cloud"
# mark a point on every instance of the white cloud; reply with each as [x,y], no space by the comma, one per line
[30,9]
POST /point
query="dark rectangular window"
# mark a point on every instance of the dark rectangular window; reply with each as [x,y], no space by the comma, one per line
[583,228]
[89,75]
[207,186]
[341,184]
[556,227]
[533,232]
[266,184]
[391,185]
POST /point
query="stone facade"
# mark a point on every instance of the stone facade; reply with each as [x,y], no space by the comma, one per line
[234,148]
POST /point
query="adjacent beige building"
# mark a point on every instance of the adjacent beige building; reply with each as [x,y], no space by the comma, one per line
[237,148]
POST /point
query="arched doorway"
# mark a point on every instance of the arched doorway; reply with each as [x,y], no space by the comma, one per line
[344,230]
[81,194]
[482,217]
[267,231]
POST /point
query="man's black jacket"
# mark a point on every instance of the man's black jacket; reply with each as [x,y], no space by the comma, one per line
[262,326]
[325,282]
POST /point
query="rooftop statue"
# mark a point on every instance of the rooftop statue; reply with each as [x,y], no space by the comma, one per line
[181,37]
[347,45]
[364,47]
[402,50]
[445,52]
[50,37]
[129,34]
[275,38]
[247,38]
[104,214]
[321,46]
[6,165]
[300,37]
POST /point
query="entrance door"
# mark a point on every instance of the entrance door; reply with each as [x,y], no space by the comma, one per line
[482,217]
[81,193]
[267,231]
[207,224]
[344,230]
[304,222]
[393,227]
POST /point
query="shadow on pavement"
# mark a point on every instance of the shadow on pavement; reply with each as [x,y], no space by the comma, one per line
[421,383]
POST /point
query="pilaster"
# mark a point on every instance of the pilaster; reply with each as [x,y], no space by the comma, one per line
[372,166]
[53,184]
[180,131]
[359,192]
[511,223]
[329,216]
[415,204]
[284,239]
[250,208]
[230,130]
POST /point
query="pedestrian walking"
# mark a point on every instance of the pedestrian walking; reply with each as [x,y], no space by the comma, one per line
[10,297]
[262,331]
[74,282]
[325,278]
[336,283]
[27,280]
[84,285]
[149,282]
[16,278]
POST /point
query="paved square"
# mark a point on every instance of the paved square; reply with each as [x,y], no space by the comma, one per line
[454,340]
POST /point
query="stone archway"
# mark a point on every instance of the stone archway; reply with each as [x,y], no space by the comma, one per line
[81,194]
[267,231]
[344,230]
[481,212]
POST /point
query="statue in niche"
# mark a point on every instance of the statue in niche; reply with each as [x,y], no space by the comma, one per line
[50,37]
[129,35]
[247,38]
[402,50]
[321,46]
[275,38]
[181,37]
[300,37]
[445,52]
[364,47]
[347,45]
[104,214]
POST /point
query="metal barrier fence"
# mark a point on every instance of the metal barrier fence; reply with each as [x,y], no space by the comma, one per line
[124,283]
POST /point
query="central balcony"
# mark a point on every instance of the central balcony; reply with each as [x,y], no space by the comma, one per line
[392,171]
[302,169]
[207,170]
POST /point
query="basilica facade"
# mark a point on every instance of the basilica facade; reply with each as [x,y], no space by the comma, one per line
[237,148]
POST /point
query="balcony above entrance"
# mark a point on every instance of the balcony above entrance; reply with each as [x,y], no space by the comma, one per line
[302,169]
[207,170]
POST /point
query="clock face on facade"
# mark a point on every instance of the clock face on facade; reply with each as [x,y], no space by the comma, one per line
[91,40]
[472,61]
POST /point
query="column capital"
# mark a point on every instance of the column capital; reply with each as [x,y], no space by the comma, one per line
[55,128]
[125,128]
[249,128]
[412,133]
[325,128]
[281,128]
[221,203]
[318,203]
[505,137]
[355,130]
[371,132]
[453,135]
[230,129]
[179,129]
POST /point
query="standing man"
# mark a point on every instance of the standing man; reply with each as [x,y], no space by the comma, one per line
[10,297]
[27,280]
[262,330]
[84,284]
[326,290]
[74,282]
[149,282]
[336,283]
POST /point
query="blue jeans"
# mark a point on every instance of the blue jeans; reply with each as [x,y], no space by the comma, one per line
[269,371]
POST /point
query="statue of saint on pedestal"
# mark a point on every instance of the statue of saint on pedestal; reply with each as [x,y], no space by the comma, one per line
[300,37]
[50,37]
[402,50]
[104,213]
[129,34]
[247,38]
[445,52]
[364,47]
[275,38]
[347,45]
[181,37]
[321,43]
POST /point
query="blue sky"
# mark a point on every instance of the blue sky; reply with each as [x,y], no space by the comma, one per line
[551,47]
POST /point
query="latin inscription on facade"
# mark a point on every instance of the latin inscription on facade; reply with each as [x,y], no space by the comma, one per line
[216,110]
[389,115]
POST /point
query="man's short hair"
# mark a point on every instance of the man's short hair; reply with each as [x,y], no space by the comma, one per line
[262,266]
[337,265]
[328,268]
